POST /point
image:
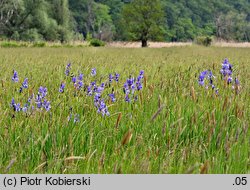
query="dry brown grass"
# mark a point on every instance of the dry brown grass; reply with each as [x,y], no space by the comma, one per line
[150,44]
[175,44]
[232,44]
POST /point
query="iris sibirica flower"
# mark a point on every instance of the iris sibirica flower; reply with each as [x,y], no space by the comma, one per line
[15,76]
[68,68]
[25,83]
[74,79]
[227,72]
[127,99]
[89,90]
[25,108]
[207,75]
[237,82]
[42,91]
[46,105]
[131,85]
[80,77]
[17,106]
[93,72]
[202,78]
[78,81]
[98,101]
[112,97]
[227,68]
[102,108]
[117,76]
[41,101]
[62,87]
[110,78]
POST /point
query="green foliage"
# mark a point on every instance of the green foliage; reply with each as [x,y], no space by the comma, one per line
[163,20]
[93,18]
[188,19]
[89,36]
[96,42]
[204,40]
[143,20]
[232,26]
[15,36]
[31,35]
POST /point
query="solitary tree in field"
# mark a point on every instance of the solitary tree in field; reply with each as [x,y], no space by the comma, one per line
[144,20]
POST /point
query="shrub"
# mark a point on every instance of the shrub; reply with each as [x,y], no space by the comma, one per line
[39,44]
[203,40]
[13,44]
[9,44]
[96,42]
[31,35]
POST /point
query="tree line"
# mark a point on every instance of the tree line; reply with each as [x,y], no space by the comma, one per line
[159,20]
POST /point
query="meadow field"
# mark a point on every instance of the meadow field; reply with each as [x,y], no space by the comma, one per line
[124,110]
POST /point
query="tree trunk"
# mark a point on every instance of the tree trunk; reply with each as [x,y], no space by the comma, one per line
[144,43]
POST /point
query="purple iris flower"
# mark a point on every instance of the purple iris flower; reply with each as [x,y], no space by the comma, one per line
[133,88]
[25,108]
[74,79]
[237,82]
[68,68]
[15,76]
[139,86]
[103,108]
[89,90]
[99,89]
[217,91]
[25,83]
[93,72]
[227,68]
[117,76]
[42,91]
[110,78]
[46,105]
[229,80]
[16,107]
[126,88]
[97,97]
[12,102]
[80,84]
[202,77]
[80,77]
[40,100]
[62,87]
[127,99]
[130,81]
[142,72]
[112,97]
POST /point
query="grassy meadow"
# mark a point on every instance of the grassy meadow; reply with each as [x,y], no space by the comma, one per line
[174,126]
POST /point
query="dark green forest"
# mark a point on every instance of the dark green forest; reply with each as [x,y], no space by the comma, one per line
[123,20]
